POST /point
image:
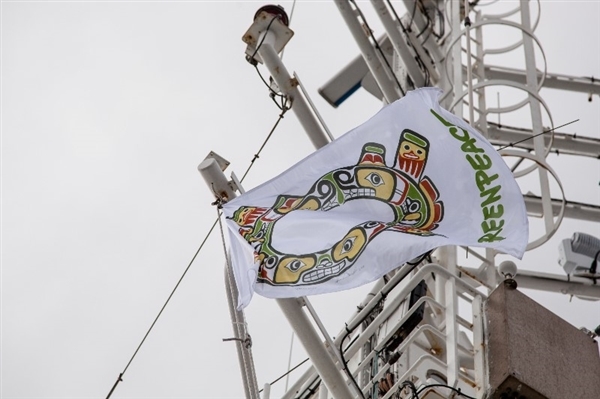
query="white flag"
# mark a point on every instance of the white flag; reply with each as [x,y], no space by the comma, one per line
[412,178]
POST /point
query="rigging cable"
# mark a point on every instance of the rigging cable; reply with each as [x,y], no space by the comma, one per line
[413,388]
[378,47]
[456,390]
[349,331]
[301,395]
[273,93]
[256,156]
[345,362]
[412,14]
[469,65]
[429,22]
[120,378]
[406,30]
[287,372]
[539,134]
[252,61]
[242,336]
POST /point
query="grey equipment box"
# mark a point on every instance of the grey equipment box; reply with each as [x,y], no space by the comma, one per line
[534,354]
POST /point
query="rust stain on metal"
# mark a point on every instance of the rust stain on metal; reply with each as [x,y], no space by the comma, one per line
[294,82]
[436,350]
[473,276]
[468,274]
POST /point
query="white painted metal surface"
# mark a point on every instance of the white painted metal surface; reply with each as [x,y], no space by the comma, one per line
[448,343]
[369,53]
[399,42]
[289,87]
[218,184]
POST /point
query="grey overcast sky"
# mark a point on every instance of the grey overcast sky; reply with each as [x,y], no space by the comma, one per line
[107,109]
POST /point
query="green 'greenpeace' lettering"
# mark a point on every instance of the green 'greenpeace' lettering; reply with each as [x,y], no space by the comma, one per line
[489,190]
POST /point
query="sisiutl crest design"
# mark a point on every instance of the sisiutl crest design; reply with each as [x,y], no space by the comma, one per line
[410,194]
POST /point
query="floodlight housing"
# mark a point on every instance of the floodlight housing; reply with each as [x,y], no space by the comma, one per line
[579,254]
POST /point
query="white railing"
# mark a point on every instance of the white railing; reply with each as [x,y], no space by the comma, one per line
[448,339]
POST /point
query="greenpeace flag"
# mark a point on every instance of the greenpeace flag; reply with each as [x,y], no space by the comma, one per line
[412,178]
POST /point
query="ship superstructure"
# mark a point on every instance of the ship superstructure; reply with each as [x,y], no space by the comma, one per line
[423,330]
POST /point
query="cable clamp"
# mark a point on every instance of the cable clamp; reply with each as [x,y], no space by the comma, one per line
[218,202]
[247,341]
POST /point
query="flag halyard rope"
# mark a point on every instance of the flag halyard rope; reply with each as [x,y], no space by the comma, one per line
[286,106]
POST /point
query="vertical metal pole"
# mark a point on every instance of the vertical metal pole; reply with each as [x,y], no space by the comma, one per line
[312,106]
[302,326]
[314,347]
[457,57]
[398,42]
[238,322]
[449,253]
[479,54]
[432,46]
[219,186]
[289,87]
[439,294]
[469,64]
[292,310]
[478,347]
[536,114]
[266,391]
[451,333]
[287,377]
[323,392]
[371,58]
[491,276]
[309,374]
[234,323]
[447,257]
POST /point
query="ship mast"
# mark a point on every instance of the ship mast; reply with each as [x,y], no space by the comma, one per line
[425,328]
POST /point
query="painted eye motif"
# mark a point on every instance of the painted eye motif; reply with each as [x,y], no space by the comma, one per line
[242,216]
[260,234]
[270,262]
[420,152]
[347,245]
[375,179]
[413,206]
[406,147]
[295,265]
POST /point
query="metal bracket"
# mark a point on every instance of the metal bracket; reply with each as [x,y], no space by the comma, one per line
[263,22]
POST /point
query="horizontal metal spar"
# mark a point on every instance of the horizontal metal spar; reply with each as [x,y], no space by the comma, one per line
[581,84]
[563,143]
[580,287]
[573,210]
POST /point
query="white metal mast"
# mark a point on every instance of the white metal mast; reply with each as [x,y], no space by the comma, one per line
[387,350]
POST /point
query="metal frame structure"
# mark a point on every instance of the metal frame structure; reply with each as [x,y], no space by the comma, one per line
[447,344]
